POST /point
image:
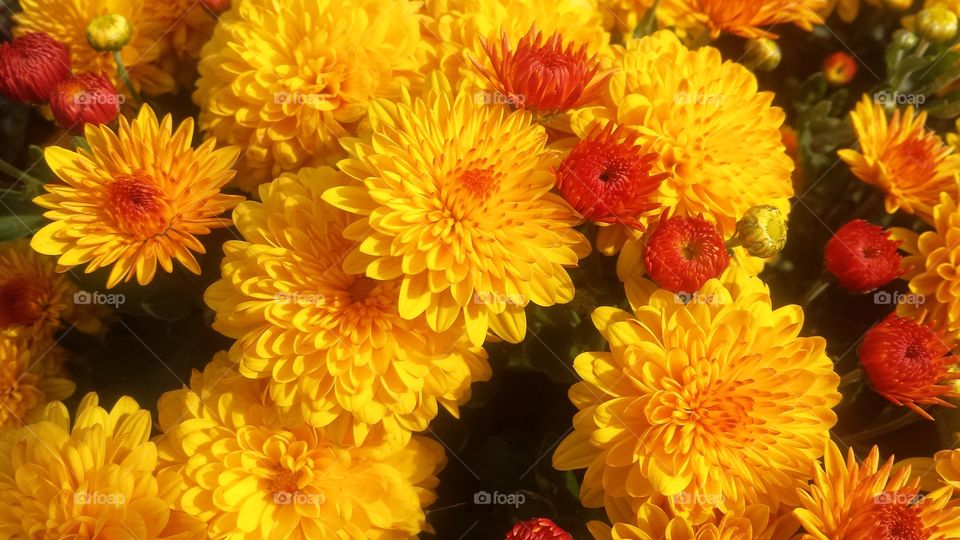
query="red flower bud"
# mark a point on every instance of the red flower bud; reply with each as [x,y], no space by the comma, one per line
[683,253]
[31,67]
[537,529]
[85,99]
[839,68]
[862,257]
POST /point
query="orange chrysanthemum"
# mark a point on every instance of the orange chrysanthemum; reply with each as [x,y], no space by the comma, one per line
[908,363]
[848,501]
[909,163]
[607,177]
[751,18]
[683,253]
[542,75]
[29,378]
[136,199]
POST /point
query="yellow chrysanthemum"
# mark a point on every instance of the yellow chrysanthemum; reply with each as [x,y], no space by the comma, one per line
[947,465]
[456,203]
[186,25]
[94,480]
[751,18]
[717,135]
[653,522]
[332,344]
[67,20]
[455,27]
[900,156]
[931,268]
[717,403]
[252,476]
[850,501]
[137,198]
[286,80]
[36,301]
[28,379]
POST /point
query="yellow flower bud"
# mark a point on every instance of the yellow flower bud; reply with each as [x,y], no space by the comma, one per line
[109,32]
[937,23]
[762,231]
[762,54]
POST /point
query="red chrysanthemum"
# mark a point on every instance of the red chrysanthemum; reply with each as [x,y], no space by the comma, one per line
[31,67]
[85,99]
[862,256]
[606,177]
[684,252]
[537,529]
[908,363]
[542,75]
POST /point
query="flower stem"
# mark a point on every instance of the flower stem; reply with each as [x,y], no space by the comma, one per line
[909,417]
[850,378]
[814,291]
[125,77]
[18,174]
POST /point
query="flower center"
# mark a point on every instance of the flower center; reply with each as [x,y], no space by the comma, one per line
[691,249]
[480,182]
[20,302]
[899,521]
[360,289]
[285,481]
[138,205]
[914,160]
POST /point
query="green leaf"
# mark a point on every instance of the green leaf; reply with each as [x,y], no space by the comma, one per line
[13,227]
[648,24]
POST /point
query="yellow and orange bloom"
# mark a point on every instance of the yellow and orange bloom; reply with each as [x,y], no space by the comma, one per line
[287,80]
[716,403]
[332,345]
[656,521]
[29,378]
[274,479]
[851,501]
[465,220]
[138,198]
[752,18]
[94,479]
[901,157]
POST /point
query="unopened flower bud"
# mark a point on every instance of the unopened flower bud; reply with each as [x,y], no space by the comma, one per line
[762,231]
[839,68]
[89,98]
[905,39]
[937,23]
[32,66]
[109,32]
[762,54]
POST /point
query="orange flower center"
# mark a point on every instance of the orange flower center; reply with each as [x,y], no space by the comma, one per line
[899,521]
[480,182]
[914,160]
[360,289]
[138,205]
[20,301]
[285,481]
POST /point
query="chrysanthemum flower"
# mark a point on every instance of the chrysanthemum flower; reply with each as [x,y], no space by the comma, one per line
[901,157]
[466,219]
[89,98]
[657,522]
[752,18]
[96,479]
[862,257]
[67,20]
[332,344]
[28,380]
[184,26]
[908,363]
[36,301]
[683,253]
[716,403]
[932,269]
[609,179]
[850,501]
[137,198]
[457,28]
[287,80]
[253,476]
[847,10]
[839,68]
[537,529]
[543,75]
[718,136]
[31,67]
[947,464]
